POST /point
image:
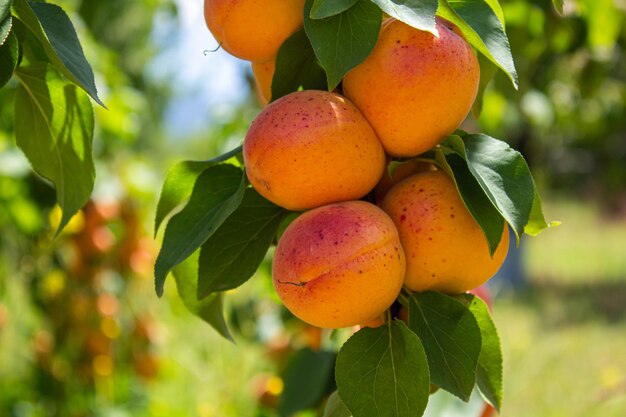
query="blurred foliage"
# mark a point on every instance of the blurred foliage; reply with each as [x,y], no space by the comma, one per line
[79,334]
[568,116]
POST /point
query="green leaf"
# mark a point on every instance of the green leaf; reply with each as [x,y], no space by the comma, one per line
[54,129]
[488,70]
[5,8]
[417,13]
[327,8]
[234,252]
[383,372]
[52,27]
[343,41]
[9,56]
[306,378]
[537,222]
[297,66]
[503,175]
[6,24]
[179,183]
[451,339]
[489,371]
[558,5]
[335,407]
[478,204]
[209,309]
[483,29]
[216,195]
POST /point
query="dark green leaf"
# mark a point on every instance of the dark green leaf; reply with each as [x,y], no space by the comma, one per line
[489,372]
[55,31]
[335,407]
[327,8]
[451,339]
[54,129]
[486,215]
[5,8]
[234,252]
[417,13]
[343,41]
[6,24]
[9,55]
[558,5]
[306,378]
[488,70]
[209,309]
[504,176]
[483,29]
[179,182]
[297,66]
[216,195]
[383,372]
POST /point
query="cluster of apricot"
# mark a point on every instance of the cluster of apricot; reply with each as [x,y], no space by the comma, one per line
[344,261]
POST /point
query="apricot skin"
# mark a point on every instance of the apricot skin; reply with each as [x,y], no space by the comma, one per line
[263,73]
[339,265]
[415,89]
[312,148]
[253,29]
[445,248]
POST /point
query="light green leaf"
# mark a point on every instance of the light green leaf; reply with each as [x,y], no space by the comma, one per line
[335,407]
[209,309]
[54,129]
[537,222]
[483,29]
[451,339]
[417,13]
[306,378]
[558,5]
[234,252]
[6,24]
[327,8]
[179,183]
[216,195]
[9,55]
[52,27]
[383,372]
[489,371]
[297,66]
[5,8]
[343,41]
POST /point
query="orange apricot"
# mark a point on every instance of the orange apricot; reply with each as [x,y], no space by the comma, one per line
[312,148]
[445,248]
[403,170]
[339,265]
[263,73]
[414,88]
[253,29]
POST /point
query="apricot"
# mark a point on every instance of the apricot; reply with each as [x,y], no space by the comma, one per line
[445,248]
[263,73]
[415,89]
[253,29]
[311,148]
[402,171]
[339,265]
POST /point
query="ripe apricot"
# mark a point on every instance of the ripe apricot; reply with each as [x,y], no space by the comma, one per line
[312,148]
[339,265]
[446,249]
[263,73]
[415,89]
[402,171]
[253,29]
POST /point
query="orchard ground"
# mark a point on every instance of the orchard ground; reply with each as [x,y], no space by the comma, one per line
[570,313]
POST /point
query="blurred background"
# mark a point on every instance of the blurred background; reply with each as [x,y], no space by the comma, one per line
[82,332]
